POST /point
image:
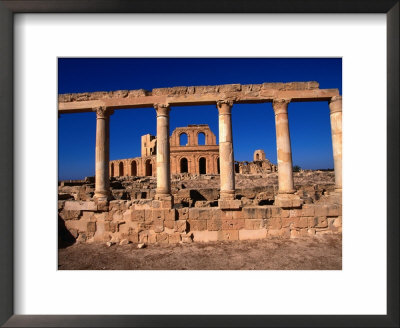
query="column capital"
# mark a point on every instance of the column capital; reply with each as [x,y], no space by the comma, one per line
[162,109]
[335,104]
[103,111]
[280,105]
[224,109]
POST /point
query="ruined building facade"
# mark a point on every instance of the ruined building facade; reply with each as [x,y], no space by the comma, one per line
[193,149]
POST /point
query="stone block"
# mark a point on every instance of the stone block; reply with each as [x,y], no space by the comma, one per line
[103,205]
[158,214]
[214,225]
[193,213]
[152,238]
[205,214]
[70,214]
[138,215]
[158,225]
[80,205]
[91,227]
[229,204]
[321,210]
[237,215]
[133,237]
[287,222]
[232,224]
[170,214]
[162,238]
[276,211]
[322,222]
[88,216]
[274,223]
[61,204]
[295,213]
[311,231]
[228,235]
[301,222]
[249,212]
[205,236]
[180,226]
[183,214]
[174,238]
[197,225]
[312,221]
[245,234]
[168,224]
[334,210]
[307,210]
[148,215]
[252,224]
[143,237]
[299,233]
[285,213]
[188,237]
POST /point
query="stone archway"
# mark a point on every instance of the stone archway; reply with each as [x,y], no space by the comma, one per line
[218,169]
[202,165]
[183,139]
[201,139]
[112,170]
[149,168]
[121,169]
[134,168]
[184,165]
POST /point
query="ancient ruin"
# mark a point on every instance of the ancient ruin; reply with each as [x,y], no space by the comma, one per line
[160,197]
[188,157]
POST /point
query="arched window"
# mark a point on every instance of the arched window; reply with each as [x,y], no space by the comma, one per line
[183,139]
[121,169]
[218,165]
[201,138]
[112,170]
[202,165]
[133,168]
[184,165]
[257,156]
[236,167]
[149,168]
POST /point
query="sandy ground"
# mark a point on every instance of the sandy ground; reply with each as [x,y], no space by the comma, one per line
[318,253]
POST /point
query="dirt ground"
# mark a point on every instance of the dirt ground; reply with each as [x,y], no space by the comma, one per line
[314,253]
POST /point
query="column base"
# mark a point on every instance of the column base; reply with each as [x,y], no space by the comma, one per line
[288,200]
[230,204]
[163,201]
[102,195]
[227,194]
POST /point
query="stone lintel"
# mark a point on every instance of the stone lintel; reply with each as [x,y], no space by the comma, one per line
[188,96]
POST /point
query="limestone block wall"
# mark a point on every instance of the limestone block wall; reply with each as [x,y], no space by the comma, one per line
[139,222]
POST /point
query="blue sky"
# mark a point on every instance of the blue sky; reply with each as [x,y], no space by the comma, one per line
[253,124]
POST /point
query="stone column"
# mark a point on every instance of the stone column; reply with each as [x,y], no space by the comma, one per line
[163,191]
[284,151]
[102,179]
[226,163]
[335,106]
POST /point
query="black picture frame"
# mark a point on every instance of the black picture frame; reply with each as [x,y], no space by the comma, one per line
[10,7]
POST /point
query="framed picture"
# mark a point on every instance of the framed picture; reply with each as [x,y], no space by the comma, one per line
[36,293]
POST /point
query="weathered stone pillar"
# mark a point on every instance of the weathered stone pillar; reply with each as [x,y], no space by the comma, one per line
[286,197]
[284,151]
[226,162]
[335,106]
[163,191]
[102,179]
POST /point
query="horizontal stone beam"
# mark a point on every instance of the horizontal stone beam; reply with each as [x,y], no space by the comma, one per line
[194,96]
